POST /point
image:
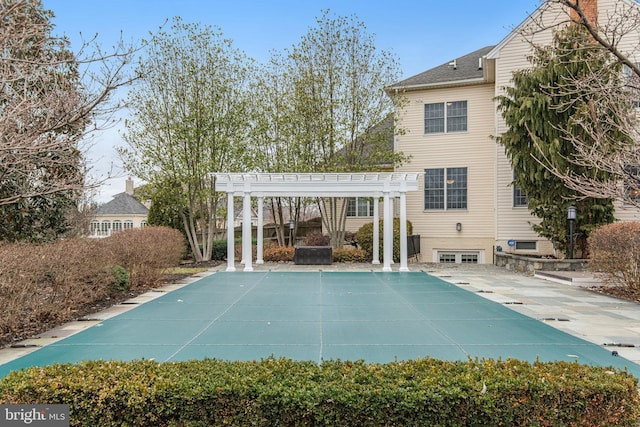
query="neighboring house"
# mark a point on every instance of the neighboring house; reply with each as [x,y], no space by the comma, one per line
[467,206]
[121,213]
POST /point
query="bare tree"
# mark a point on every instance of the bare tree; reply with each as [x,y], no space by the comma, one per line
[50,99]
[608,143]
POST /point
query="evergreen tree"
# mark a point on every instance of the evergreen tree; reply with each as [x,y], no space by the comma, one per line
[542,108]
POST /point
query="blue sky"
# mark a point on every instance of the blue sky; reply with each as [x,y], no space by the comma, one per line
[422,33]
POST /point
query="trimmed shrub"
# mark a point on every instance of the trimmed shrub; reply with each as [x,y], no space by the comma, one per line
[146,252]
[43,285]
[615,251]
[219,251]
[349,255]
[282,392]
[364,237]
[279,254]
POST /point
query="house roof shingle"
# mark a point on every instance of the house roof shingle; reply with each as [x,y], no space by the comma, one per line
[123,204]
[466,68]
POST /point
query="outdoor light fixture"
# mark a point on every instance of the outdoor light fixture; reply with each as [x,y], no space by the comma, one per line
[571,216]
[458,226]
[292,225]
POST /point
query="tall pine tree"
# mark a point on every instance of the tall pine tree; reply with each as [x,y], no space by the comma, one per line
[541,108]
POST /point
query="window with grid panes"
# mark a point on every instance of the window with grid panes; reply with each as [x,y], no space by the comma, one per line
[468,258]
[441,117]
[445,188]
[457,116]
[446,258]
[360,206]
[519,196]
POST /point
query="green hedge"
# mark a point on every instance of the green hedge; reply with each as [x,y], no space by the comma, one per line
[281,392]
[364,237]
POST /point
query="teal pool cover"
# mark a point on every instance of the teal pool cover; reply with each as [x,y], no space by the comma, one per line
[372,316]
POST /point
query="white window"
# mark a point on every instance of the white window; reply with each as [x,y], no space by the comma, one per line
[458,257]
[445,189]
[106,228]
[360,206]
[441,117]
[468,258]
[117,225]
[128,224]
[446,258]
[519,197]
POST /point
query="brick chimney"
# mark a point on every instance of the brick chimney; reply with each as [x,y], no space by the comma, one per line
[129,186]
[589,9]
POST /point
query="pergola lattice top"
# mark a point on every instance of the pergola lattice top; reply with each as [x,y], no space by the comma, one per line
[317,184]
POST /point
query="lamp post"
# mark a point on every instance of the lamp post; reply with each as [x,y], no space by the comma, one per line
[571,216]
[292,225]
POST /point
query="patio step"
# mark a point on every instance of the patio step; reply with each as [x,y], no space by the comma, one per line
[577,278]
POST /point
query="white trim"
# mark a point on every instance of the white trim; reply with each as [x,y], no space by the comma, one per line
[443,84]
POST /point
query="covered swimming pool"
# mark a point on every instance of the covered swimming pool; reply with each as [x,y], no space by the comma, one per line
[370,316]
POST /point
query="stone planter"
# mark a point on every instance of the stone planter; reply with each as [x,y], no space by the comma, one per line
[525,264]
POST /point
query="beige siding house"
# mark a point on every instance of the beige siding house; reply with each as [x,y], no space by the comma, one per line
[122,213]
[467,206]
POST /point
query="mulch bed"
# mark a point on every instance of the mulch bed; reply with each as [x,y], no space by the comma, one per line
[618,292]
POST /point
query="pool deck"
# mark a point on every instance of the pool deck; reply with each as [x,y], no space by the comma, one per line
[563,302]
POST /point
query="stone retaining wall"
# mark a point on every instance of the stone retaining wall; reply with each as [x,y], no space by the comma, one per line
[525,264]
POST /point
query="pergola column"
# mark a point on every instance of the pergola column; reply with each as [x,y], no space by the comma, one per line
[387,233]
[376,230]
[403,231]
[231,248]
[247,256]
[260,237]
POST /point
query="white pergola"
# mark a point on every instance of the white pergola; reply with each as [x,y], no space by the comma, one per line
[376,185]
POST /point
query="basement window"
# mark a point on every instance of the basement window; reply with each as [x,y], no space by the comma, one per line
[526,245]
